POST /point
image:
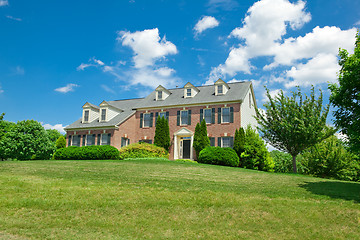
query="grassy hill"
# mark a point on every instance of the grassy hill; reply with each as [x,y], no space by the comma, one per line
[158,199]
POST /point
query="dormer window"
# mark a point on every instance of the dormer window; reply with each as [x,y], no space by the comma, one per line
[188,92]
[103,114]
[86,116]
[220,89]
[159,95]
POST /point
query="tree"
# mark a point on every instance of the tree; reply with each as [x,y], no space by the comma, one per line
[201,140]
[239,141]
[2,116]
[255,154]
[5,126]
[346,96]
[162,133]
[293,124]
[27,140]
[60,142]
[53,134]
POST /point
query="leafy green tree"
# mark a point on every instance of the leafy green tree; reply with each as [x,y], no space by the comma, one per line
[201,140]
[330,159]
[239,141]
[162,133]
[293,124]
[60,142]
[2,116]
[255,154]
[27,140]
[346,96]
[53,134]
[5,126]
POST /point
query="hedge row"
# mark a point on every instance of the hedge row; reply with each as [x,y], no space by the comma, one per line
[87,153]
[219,156]
[142,150]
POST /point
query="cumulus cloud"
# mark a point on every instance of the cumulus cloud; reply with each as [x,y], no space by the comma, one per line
[262,34]
[147,46]
[70,87]
[4,3]
[58,127]
[205,23]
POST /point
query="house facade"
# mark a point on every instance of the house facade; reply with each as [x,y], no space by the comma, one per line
[224,106]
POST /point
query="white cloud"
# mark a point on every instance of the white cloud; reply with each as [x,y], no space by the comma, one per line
[147,46]
[165,71]
[4,3]
[68,88]
[99,62]
[227,5]
[1,90]
[320,69]
[14,18]
[205,23]
[357,23]
[83,66]
[107,89]
[58,127]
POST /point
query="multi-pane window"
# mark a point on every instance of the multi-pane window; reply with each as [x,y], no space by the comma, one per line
[212,141]
[86,115]
[147,119]
[162,114]
[125,142]
[184,117]
[220,89]
[90,140]
[76,140]
[225,115]
[146,141]
[103,114]
[105,139]
[208,115]
[98,139]
[188,92]
[225,142]
[160,95]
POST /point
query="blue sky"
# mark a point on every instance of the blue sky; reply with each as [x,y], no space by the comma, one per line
[57,55]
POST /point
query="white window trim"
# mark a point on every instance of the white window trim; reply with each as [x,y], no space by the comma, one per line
[88,111]
[86,140]
[187,118]
[222,89]
[144,120]
[106,112]
[222,141]
[158,97]
[222,112]
[187,92]
[210,109]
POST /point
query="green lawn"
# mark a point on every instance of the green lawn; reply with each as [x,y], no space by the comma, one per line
[159,199]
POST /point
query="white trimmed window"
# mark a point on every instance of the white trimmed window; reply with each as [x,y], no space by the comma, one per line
[227,142]
[103,114]
[86,116]
[105,139]
[90,140]
[220,89]
[162,114]
[160,95]
[225,115]
[76,140]
[184,117]
[125,142]
[188,92]
[208,115]
[147,119]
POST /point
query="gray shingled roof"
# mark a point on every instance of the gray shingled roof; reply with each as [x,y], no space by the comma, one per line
[126,105]
[236,92]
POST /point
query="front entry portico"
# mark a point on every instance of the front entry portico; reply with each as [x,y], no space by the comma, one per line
[183,144]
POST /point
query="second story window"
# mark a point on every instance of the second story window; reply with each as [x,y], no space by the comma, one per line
[103,114]
[147,119]
[86,116]
[208,115]
[160,95]
[184,117]
[220,89]
[225,115]
[188,92]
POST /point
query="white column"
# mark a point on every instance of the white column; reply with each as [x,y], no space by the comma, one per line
[175,148]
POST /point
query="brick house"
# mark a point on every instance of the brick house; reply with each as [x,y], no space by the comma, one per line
[224,106]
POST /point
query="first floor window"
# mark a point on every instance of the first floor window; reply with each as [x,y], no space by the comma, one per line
[125,142]
[226,142]
[105,139]
[83,140]
[212,141]
[98,139]
[146,141]
[69,140]
[90,140]
[76,140]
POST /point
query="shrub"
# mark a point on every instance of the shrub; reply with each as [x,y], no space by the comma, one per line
[162,133]
[219,156]
[255,154]
[201,140]
[330,159]
[60,142]
[239,141]
[142,150]
[87,153]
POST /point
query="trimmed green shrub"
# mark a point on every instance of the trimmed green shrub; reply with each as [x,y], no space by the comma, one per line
[162,133]
[201,140]
[60,142]
[239,141]
[100,152]
[219,156]
[142,150]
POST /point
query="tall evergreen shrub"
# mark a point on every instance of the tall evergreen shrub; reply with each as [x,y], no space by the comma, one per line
[162,133]
[201,140]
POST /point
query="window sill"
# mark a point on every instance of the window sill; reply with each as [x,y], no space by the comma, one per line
[227,123]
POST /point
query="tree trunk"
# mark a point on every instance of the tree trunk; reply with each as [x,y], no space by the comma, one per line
[294,163]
